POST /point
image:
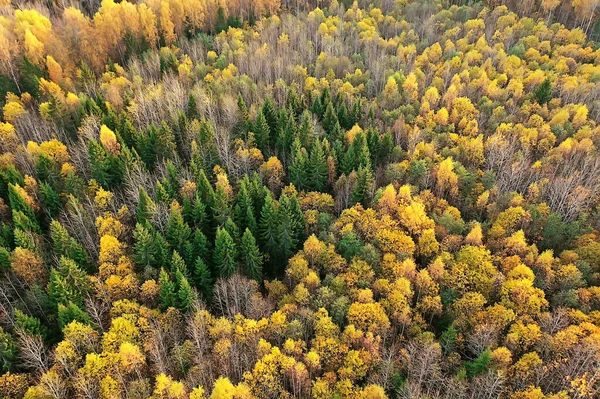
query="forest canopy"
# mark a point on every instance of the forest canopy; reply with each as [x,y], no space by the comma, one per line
[207,199]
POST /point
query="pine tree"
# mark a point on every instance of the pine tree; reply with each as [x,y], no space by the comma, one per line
[252,259]
[317,166]
[225,253]
[243,213]
[166,295]
[185,293]
[202,278]
[286,232]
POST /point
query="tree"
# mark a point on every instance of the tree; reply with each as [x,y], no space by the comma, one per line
[251,257]
[167,296]
[269,226]
[185,293]
[225,254]
[317,167]
[543,93]
[202,277]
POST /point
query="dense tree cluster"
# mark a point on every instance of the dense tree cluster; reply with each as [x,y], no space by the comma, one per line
[265,199]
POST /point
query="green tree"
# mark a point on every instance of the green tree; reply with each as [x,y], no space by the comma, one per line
[185,293]
[317,166]
[252,259]
[202,277]
[71,312]
[543,93]
[166,295]
[269,226]
[225,253]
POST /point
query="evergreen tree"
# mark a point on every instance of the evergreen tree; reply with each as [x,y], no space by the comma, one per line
[305,132]
[543,94]
[145,207]
[166,295]
[317,166]
[262,133]
[286,232]
[178,264]
[251,257]
[178,231]
[65,245]
[106,168]
[362,188]
[185,293]
[330,120]
[71,312]
[202,277]
[299,168]
[269,226]
[50,199]
[268,110]
[220,207]
[225,253]
[243,109]
[145,252]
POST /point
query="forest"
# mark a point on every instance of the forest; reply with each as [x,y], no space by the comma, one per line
[326,199]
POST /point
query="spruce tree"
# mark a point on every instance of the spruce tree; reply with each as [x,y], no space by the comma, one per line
[166,295]
[50,199]
[300,170]
[185,293]
[178,231]
[262,133]
[202,278]
[317,166]
[145,207]
[269,227]
[225,253]
[543,94]
[286,232]
[252,259]
[144,249]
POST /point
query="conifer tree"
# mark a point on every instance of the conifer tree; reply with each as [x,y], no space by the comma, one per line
[185,293]
[225,253]
[178,231]
[252,259]
[269,226]
[317,166]
[202,277]
[166,295]
[262,133]
[145,207]
[299,168]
